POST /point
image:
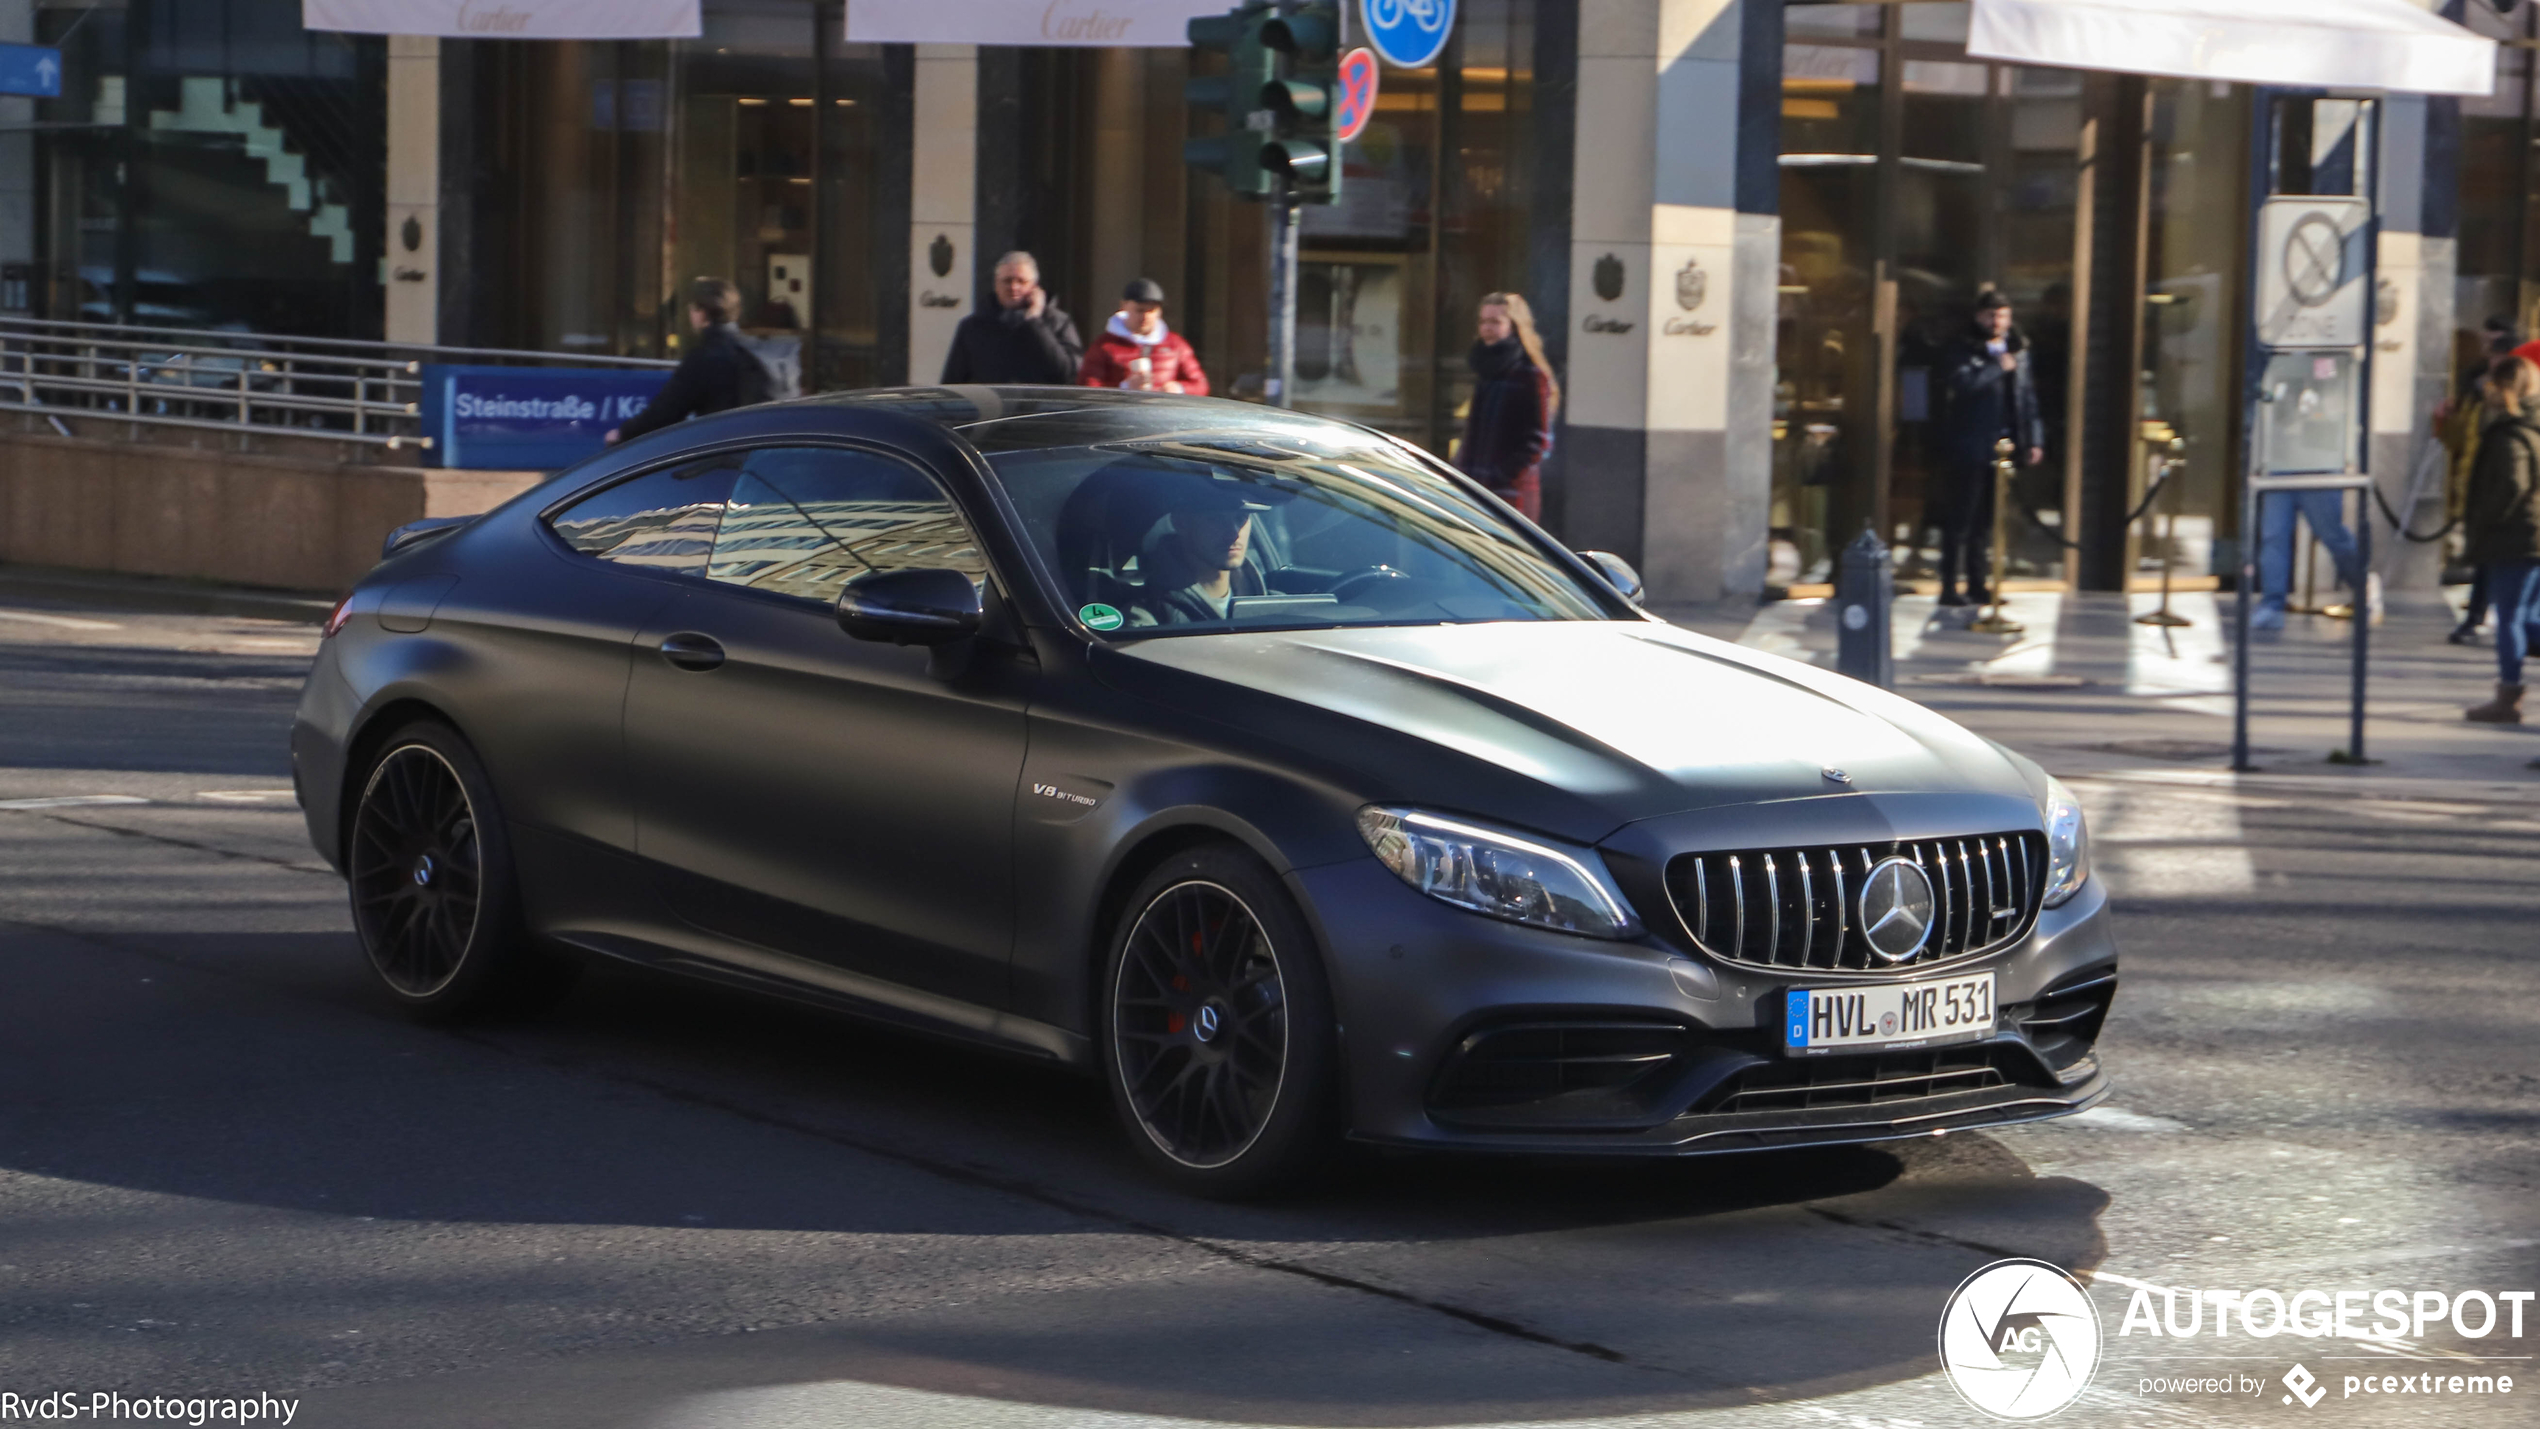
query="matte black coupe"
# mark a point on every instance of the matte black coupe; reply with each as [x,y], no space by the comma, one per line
[1258,763]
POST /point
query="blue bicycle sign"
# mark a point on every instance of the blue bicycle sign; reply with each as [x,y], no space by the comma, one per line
[1408,33]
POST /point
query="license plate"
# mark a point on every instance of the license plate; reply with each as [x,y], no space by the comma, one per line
[1884,1016]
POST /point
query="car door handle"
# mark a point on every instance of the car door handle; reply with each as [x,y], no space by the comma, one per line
[691,651]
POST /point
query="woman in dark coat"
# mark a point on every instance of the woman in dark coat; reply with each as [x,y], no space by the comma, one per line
[2501,513]
[1508,427]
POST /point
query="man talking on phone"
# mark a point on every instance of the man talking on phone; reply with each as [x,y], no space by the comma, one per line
[1028,339]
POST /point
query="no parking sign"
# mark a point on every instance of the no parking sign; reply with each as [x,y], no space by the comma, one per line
[1358,94]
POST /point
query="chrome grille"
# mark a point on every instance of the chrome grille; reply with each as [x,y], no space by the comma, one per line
[1800,907]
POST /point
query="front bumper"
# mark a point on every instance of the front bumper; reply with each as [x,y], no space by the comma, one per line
[1460,1031]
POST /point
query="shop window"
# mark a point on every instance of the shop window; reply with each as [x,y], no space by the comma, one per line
[1913,177]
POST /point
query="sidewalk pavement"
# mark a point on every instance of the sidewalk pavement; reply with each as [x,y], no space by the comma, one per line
[2085,690]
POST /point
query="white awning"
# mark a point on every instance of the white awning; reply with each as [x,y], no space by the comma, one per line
[2326,44]
[1151,24]
[509,19]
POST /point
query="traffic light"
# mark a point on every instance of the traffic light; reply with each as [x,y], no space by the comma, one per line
[1236,154]
[1303,101]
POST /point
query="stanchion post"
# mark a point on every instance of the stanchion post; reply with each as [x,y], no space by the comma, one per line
[2168,467]
[1993,621]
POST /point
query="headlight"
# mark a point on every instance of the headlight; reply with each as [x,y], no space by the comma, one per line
[1498,873]
[2067,845]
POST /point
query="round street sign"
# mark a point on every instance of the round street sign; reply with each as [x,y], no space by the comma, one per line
[1358,94]
[1408,33]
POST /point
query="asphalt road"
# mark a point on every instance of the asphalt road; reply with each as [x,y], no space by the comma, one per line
[226,1168]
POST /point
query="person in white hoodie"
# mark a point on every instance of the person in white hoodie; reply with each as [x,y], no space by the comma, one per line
[1138,352]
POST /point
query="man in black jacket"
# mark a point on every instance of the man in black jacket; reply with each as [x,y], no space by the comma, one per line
[1990,393]
[716,373]
[1027,339]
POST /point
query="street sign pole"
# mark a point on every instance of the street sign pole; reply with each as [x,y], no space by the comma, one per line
[1283,263]
[2313,278]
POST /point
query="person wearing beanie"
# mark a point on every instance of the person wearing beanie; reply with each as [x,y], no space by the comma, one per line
[1138,352]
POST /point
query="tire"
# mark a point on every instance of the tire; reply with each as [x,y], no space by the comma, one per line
[436,900]
[1218,1038]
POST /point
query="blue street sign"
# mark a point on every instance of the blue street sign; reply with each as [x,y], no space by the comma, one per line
[528,418]
[1408,33]
[31,69]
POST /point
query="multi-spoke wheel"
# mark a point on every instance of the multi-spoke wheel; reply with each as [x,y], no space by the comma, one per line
[417,870]
[1219,1028]
[430,873]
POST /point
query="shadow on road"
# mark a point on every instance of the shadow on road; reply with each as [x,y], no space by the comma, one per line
[845,1176]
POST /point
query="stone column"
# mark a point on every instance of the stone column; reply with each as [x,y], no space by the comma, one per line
[413,246]
[1672,275]
[942,194]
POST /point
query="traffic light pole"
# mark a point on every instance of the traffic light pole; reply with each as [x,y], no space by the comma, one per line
[1281,387]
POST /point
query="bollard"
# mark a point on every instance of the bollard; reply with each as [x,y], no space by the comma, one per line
[1864,593]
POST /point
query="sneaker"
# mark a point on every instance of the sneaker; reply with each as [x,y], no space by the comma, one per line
[2267,617]
[2463,635]
[1952,599]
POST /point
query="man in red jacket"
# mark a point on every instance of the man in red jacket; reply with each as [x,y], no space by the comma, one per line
[1138,352]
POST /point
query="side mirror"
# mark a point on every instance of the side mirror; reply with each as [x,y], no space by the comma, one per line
[911,607]
[1617,572]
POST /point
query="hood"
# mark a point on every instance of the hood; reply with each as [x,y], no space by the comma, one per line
[1629,720]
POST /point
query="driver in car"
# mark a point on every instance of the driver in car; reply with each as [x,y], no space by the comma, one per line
[1196,567]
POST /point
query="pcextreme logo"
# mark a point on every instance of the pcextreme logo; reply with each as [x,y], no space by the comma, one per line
[2019,1339]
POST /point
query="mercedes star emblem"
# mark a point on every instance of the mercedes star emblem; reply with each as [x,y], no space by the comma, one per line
[1896,909]
[1207,1023]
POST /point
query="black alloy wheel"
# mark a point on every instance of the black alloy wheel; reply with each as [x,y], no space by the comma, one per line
[417,870]
[430,874]
[1219,1026]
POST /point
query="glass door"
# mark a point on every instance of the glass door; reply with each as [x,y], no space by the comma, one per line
[2195,249]
[1913,179]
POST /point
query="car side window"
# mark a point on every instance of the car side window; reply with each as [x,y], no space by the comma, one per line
[663,520]
[803,521]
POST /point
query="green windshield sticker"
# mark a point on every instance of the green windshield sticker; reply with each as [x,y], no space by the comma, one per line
[1100,616]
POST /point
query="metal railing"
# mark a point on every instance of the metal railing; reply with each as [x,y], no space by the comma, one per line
[332,389]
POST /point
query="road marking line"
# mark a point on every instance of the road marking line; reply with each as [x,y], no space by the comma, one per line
[243,796]
[71,801]
[66,622]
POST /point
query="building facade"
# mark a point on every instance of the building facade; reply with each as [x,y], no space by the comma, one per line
[1749,230]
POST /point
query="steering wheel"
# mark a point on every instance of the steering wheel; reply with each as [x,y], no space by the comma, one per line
[1347,589]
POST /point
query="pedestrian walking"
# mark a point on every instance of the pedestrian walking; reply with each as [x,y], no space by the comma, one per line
[1029,338]
[2501,517]
[1990,394]
[717,373]
[2457,424]
[1137,351]
[1508,425]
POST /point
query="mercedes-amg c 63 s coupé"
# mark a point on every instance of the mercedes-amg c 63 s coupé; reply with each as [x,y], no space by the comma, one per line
[1260,764]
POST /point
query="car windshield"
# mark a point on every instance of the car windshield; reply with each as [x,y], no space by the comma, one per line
[1162,521]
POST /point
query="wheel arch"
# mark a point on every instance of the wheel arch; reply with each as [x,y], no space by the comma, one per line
[1159,839]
